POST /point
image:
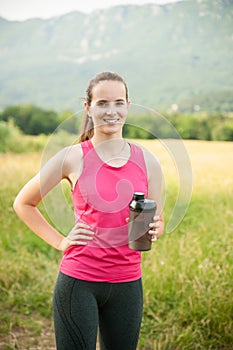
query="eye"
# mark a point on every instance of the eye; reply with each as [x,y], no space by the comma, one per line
[120,103]
[102,104]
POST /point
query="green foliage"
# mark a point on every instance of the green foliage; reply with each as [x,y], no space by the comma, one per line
[138,127]
[12,140]
[6,134]
[186,126]
[188,289]
[31,119]
[70,122]
[199,126]
[187,275]
[178,53]
[63,129]
[223,131]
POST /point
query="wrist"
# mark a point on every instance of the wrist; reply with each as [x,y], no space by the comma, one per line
[63,244]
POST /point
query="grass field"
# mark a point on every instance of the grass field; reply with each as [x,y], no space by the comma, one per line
[188,288]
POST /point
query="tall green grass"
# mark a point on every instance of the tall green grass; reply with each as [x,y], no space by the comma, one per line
[188,281]
[187,276]
[28,266]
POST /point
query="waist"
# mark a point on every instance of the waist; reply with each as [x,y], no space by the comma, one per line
[114,264]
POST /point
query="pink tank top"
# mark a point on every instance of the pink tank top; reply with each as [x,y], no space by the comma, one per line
[101,199]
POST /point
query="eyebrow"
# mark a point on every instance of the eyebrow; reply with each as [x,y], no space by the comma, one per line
[117,100]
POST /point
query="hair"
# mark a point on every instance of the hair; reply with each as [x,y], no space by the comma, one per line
[87,128]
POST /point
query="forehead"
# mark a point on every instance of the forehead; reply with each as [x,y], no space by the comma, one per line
[109,90]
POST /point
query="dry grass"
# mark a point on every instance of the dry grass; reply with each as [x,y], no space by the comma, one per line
[187,275]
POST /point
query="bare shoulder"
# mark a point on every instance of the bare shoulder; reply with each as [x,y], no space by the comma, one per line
[155,178]
[73,152]
[66,155]
[152,161]
[65,161]
[72,159]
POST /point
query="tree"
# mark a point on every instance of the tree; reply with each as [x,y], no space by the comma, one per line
[223,131]
[31,119]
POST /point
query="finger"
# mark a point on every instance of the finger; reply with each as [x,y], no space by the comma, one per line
[154,225]
[78,243]
[153,232]
[81,228]
[81,235]
[83,231]
[153,238]
[84,237]
[82,225]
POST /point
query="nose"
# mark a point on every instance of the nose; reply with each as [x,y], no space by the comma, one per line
[111,111]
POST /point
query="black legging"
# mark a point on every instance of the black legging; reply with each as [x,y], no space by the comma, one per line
[80,307]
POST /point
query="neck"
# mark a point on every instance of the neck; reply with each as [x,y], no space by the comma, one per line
[113,151]
[109,146]
[106,139]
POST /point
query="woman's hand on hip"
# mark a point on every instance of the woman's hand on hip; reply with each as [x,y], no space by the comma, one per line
[80,234]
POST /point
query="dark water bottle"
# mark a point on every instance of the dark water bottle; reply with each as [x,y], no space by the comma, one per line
[142,211]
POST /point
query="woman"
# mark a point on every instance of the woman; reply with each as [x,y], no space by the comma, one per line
[99,282]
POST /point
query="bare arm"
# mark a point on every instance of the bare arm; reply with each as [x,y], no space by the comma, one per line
[155,184]
[25,204]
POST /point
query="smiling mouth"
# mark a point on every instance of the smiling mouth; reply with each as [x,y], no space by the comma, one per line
[111,121]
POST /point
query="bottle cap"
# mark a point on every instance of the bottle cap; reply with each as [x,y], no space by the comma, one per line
[138,196]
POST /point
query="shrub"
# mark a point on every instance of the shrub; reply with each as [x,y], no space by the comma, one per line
[12,139]
[223,131]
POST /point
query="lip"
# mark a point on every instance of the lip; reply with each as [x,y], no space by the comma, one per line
[111,120]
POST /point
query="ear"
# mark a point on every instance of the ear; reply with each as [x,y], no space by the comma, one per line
[85,105]
[87,108]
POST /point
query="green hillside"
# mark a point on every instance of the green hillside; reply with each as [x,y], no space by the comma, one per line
[174,54]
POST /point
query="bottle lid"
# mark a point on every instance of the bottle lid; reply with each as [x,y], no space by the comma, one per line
[138,196]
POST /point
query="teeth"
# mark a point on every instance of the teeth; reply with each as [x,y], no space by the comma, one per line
[111,120]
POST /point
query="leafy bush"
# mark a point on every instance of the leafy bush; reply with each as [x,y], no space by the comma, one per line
[31,119]
[12,139]
[223,131]
[9,136]
[218,127]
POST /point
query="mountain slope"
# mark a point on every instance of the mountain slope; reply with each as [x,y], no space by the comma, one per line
[178,53]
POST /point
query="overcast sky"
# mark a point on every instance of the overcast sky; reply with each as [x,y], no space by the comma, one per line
[24,9]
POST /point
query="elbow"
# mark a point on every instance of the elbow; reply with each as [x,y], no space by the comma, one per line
[22,206]
[17,206]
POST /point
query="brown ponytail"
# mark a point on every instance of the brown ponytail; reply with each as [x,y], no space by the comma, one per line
[87,128]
